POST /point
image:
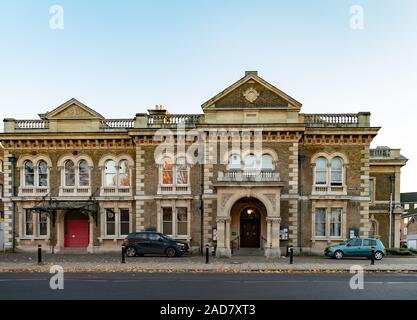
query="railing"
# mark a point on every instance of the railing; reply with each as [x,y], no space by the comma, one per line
[380,153]
[173,189]
[232,244]
[329,189]
[173,120]
[27,191]
[331,120]
[248,175]
[117,123]
[75,191]
[31,124]
[263,242]
[114,191]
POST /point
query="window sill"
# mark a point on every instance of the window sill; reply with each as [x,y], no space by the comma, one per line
[33,238]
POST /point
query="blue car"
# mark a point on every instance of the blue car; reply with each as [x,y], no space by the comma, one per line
[357,247]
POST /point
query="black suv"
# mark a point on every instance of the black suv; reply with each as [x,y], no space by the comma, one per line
[145,242]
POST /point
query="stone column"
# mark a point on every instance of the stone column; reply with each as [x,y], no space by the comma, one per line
[223,248]
[90,248]
[273,250]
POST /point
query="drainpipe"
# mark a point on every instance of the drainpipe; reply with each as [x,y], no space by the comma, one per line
[301,158]
[201,173]
[12,159]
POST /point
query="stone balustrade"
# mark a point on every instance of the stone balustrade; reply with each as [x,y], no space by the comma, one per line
[252,175]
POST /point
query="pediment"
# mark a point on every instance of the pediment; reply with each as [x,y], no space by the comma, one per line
[251,92]
[73,109]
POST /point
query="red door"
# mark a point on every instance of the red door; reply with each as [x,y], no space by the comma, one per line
[76,234]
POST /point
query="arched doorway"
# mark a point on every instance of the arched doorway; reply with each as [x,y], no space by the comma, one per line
[250,228]
[76,230]
[248,223]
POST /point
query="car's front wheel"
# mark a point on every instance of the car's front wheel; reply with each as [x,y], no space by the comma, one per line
[379,255]
[171,252]
[130,251]
[338,255]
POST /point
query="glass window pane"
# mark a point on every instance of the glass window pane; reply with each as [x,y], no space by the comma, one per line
[167,176]
[250,162]
[321,171]
[182,171]
[182,222]
[84,173]
[234,162]
[336,222]
[110,173]
[167,220]
[69,169]
[42,173]
[28,222]
[267,162]
[43,224]
[124,174]
[29,173]
[337,169]
[124,221]
[110,222]
[320,222]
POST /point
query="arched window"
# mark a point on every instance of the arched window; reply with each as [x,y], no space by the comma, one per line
[234,162]
[83,174]
[110,173]
[29,173]
[250,162]
[42,173]
[321,170]
[69,171]
[337,171]
[167,172]
[124,174]
[267,162]
[182,171]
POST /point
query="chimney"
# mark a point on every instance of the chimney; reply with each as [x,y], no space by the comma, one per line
[251,72]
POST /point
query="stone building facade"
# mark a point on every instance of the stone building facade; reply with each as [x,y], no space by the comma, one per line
[250,171]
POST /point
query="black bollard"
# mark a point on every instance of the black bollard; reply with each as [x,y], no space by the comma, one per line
[291,255]
[39,254]
[373,256]
[123,254]
[207,254]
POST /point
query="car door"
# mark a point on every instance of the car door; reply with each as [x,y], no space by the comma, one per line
[141,243]
[353,247]
[156,243]
[366,248]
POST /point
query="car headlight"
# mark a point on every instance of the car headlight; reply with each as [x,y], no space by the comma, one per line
[180,244]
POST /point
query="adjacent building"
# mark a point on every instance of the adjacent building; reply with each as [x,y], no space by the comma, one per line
[251,171]
[409,204]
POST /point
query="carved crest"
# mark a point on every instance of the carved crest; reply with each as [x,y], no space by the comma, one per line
[251,94]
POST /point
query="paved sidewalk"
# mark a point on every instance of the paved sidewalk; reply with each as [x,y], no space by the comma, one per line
[111,262]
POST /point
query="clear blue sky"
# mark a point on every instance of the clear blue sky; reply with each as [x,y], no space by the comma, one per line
[123,57]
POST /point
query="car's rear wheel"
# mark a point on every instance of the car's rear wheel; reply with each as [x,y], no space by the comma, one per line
[171,252]
[338,255]
[379,255]
[131,251]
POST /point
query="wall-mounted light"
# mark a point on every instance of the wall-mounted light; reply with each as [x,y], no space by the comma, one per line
[249,211]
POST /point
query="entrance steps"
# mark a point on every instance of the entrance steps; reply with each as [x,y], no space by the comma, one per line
[254,252]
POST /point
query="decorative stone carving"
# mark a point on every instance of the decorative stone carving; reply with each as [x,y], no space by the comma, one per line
[225,198]
[272,198]
[251,94]
[74,111]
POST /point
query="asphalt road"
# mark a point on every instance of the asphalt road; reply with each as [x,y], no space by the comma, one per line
[207,286]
